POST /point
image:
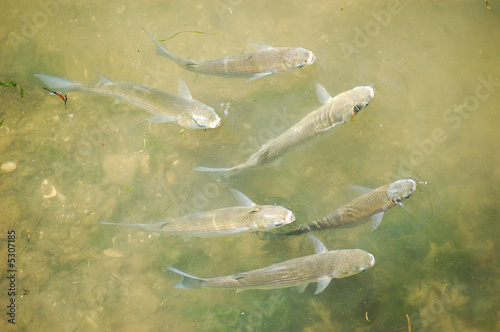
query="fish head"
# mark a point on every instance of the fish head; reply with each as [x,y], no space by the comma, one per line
[199,116]
[359,98]
[268,217]
[297,58]
[400,190]
[353,261]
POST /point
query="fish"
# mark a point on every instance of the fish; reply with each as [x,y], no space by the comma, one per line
[265,61]
[372,204]
[334,112]
[188,112]
[225,221]
[321,267]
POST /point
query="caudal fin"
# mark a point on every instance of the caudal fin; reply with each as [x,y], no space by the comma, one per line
[189,282]
[220,170]
[162,51]
[57,83]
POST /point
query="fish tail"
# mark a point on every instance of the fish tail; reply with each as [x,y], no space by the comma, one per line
[189,282]
[209,169]
[117,224]
[162,51]
[57,83]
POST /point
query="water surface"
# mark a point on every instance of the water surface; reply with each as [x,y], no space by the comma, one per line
[434,118]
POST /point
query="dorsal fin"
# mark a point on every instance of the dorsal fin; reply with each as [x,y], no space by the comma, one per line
[104,79]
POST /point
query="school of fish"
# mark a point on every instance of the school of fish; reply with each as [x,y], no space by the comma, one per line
[247,216]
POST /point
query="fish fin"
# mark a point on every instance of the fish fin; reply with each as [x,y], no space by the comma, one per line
[159,118]
[360,190]
[60,84]
[241,290]
[319,247]
[323,95]
[376,220]
[162,51]
[302,288]
[322,284]
[260,46]
[189,282]
[241,198]
[118,224]
[104,79]
[259,75]
[277,162]
[183,90]
[263,157]
[210,169]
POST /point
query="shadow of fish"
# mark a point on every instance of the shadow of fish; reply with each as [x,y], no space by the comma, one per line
[182,108]
[266,61]
[321,267]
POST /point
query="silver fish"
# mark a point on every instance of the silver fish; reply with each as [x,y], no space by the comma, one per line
[373,203]
[334,112]
[268,60]
[167,107]
[225,221]
[320,267]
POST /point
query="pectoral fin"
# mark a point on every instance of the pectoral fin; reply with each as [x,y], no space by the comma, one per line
[323,95]
[259,75]
[159,118]
[302,288]
[360,190]
[319,247]
[260,46]
[376,220]
[322,284]
[183,90]
[241,198]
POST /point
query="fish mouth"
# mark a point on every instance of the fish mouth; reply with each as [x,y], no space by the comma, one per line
[215,123]
[290,217]
[372,262]
[310,60]
[371,92]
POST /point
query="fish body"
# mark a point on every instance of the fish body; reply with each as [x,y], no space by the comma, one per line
[334,112]
[373,203]
[225,221]
[320,267]
[167,107]
[266,61]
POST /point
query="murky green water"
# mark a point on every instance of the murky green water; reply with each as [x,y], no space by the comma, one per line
[434,118]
